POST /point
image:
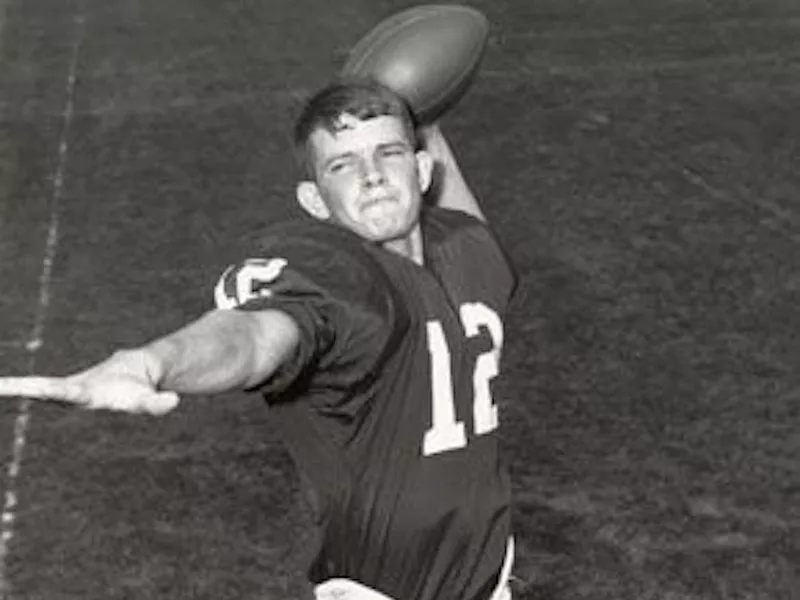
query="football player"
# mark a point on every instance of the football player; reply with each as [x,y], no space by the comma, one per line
[374,331]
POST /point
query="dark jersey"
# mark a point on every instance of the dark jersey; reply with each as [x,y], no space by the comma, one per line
[387,407]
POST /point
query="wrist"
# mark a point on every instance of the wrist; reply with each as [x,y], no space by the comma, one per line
[430,135]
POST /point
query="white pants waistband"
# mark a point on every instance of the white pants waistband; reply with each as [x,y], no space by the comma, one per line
[340,588]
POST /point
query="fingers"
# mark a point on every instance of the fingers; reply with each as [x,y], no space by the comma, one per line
[45,388]
[136,402]
[116,395]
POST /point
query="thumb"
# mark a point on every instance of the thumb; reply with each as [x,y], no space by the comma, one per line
[160,403]
[134,401]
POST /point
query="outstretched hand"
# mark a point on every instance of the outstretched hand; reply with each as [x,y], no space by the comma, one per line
[120,383]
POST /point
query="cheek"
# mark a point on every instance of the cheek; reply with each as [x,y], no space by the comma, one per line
[340,198]
[402,177]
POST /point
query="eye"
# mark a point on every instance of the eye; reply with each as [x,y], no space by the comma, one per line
[338,166]
[393,151]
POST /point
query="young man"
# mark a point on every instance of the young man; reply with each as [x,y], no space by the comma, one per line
[374,331]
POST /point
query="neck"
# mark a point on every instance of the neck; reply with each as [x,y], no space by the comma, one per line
[409,246]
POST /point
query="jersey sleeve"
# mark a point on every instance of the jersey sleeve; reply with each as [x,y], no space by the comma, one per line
[334,290]
[469,254]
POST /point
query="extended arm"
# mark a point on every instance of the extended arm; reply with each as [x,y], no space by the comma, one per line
[451,189]
[222,350]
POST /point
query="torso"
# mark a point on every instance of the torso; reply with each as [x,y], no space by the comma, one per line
[413,498]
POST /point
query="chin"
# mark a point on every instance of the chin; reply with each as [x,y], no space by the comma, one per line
[379,237]
[387,232]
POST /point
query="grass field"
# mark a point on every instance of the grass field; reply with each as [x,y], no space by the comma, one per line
[640,161]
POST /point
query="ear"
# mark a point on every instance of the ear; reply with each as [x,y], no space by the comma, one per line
[311,200]
[425,164]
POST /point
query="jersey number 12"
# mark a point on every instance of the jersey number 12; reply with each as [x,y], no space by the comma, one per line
[447,432]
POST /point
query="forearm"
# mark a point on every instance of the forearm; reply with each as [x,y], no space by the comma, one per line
[451,188]
[221,351]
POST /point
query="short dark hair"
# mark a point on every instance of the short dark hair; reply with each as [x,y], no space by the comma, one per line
[362,98]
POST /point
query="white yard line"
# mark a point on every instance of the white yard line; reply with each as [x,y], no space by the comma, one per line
[35,340]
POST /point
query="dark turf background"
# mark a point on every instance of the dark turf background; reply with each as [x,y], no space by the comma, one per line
[639,159]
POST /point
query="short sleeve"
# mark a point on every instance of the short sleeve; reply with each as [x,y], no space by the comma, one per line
[467,254]
[327,281]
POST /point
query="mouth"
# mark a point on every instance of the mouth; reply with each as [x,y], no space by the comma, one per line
[373,201]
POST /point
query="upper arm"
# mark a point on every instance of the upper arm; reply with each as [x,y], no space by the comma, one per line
[449,188]
[275,337]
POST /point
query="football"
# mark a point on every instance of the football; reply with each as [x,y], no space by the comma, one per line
[428,54]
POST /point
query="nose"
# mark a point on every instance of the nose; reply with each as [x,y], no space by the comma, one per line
[372,172]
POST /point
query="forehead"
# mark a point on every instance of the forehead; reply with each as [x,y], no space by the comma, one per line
[352,134]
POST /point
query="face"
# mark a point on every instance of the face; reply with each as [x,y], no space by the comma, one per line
[369,179]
